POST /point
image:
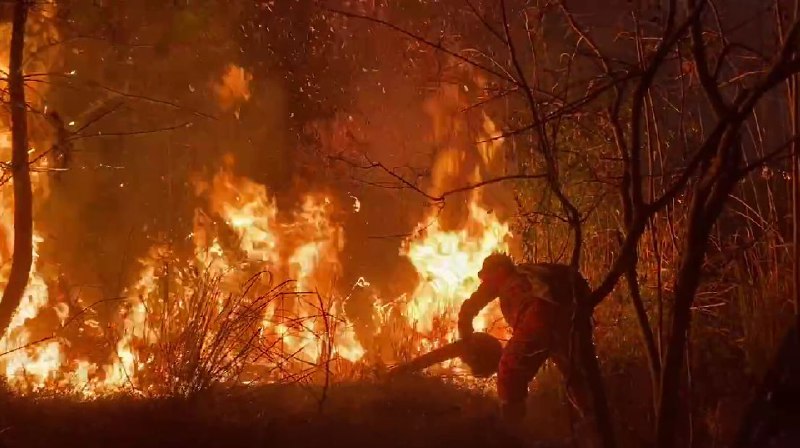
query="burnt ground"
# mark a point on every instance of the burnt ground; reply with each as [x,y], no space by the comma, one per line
[414,412]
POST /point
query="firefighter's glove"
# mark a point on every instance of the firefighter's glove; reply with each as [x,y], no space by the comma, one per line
[465,329]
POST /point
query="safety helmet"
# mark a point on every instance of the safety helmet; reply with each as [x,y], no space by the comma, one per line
[495,263]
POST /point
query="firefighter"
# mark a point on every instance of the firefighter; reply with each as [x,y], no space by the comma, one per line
[537,301]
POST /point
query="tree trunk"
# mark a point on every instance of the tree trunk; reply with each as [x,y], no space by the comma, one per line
[794,114]
[587,357]
[706,206]
[648,338]
[668,400]
[23,197]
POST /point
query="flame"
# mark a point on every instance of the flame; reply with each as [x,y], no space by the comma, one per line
[310,320]
[180,305]
[34,366]
[448,260]
[121,371]
[28,366]
[307,322]
[234,87]
[248,210]
[448,263]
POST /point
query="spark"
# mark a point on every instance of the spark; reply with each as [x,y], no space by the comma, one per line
[356,204]
[362,282]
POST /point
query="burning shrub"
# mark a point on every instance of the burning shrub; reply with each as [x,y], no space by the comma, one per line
[208,338]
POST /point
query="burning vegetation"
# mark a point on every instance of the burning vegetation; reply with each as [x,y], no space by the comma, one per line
[258,302]
[288,199]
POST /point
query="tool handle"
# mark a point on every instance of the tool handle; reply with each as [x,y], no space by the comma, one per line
[436,356]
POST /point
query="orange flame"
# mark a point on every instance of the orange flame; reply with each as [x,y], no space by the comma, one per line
[448,263]
[304,320]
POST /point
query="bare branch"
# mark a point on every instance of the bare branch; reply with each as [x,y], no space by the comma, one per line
[768,157]
[544,146]
[37,77]
[440,198]
[485,23]
[126,133]
[423,40]
[652,68]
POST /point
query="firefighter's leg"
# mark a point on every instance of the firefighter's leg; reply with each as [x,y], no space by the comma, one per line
[521,359]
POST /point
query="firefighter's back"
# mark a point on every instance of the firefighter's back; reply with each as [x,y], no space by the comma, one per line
[557,283]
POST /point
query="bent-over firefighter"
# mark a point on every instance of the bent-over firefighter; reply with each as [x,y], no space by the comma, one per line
[538,301]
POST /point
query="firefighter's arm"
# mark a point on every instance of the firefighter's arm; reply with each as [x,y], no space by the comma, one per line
[472,306]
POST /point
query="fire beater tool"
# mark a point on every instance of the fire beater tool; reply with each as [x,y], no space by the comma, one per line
[481,352]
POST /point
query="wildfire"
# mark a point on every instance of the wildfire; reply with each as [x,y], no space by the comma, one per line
[248,210]
[28,367]
[304,320]
[257,298]
[448,263]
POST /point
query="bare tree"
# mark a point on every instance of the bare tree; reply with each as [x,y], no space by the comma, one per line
[23,197]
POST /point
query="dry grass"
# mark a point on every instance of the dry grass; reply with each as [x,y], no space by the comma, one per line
[415,412]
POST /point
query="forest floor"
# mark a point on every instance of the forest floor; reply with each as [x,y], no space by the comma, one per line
[414,412]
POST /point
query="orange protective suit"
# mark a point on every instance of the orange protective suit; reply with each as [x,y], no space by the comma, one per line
[537,301]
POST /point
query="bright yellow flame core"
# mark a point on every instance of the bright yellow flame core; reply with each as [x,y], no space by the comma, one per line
[448,263]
